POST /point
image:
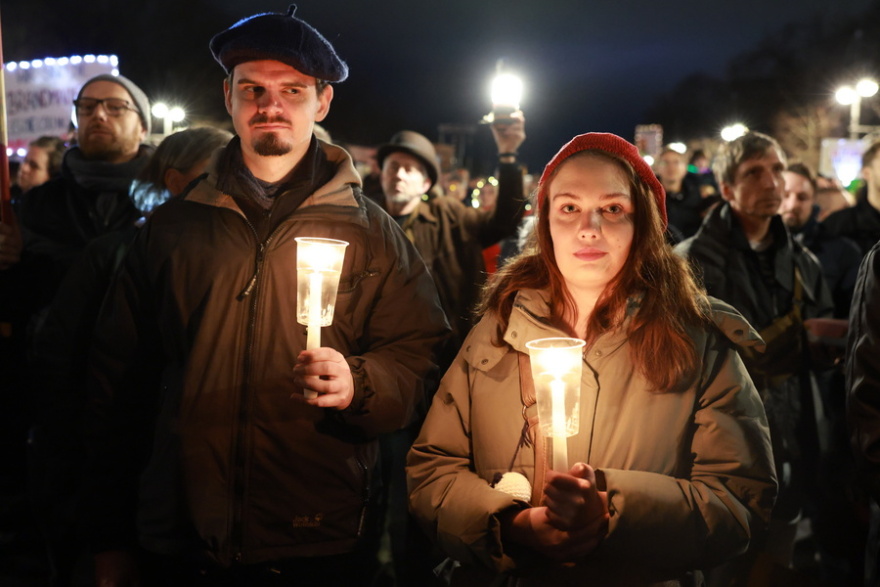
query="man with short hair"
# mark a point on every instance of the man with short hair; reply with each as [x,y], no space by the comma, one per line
[450,235]
[839,256]
[747,258]
[210,462]
[861,222]
[57,221]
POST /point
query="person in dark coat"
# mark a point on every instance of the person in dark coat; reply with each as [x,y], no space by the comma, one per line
[839,256]
[224,449]
[56,222]
[685,204]
[746,257]
[837,527]
[449,235]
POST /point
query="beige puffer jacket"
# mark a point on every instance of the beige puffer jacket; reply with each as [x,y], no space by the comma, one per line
[689,474]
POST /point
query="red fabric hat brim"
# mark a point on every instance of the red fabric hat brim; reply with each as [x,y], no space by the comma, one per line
[613,145]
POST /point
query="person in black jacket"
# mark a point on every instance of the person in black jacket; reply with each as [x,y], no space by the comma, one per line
[746,257]
[838,531]
[839,256]
[685,203]
[56,222]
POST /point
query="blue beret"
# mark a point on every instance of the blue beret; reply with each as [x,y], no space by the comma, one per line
[279,37]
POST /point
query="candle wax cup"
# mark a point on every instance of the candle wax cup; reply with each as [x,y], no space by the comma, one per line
[558,399]
[320,286]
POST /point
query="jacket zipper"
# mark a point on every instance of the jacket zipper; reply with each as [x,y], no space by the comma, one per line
[240,459]
[365,496]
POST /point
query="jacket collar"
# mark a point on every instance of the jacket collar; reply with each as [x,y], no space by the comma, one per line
[723,227]
[338,191]
[530,320]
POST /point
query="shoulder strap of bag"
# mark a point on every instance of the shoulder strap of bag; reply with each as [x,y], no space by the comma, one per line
[527,387]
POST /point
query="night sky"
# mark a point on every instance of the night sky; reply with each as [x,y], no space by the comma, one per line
[587,66]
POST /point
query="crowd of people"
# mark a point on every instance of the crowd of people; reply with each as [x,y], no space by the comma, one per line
[165,421]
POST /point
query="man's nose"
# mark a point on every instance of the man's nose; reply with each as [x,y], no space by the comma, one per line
[100,111]
[268,99]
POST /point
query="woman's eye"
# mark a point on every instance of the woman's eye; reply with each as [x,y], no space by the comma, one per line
[568,209]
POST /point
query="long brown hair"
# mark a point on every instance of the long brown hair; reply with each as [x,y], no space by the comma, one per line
[670,301]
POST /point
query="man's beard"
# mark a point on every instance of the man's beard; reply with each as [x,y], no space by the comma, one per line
[269,145]
[106,151]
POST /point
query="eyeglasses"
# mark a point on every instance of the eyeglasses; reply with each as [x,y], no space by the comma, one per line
[113,106]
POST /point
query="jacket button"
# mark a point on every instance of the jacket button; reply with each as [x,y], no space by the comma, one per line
[598,353]
[513,334]
[484,361]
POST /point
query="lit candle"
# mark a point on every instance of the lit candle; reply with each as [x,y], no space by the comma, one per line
[315,259]
[560,438]
[313,336]
[556,365]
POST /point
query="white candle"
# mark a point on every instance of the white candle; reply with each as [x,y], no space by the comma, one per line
[560,440]
[313,339]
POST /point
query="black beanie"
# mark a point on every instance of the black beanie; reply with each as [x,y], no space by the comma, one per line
[279,37]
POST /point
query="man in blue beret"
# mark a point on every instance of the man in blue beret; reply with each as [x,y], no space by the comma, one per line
[212,462]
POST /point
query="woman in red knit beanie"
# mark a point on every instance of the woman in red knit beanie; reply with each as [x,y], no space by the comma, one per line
[671,470]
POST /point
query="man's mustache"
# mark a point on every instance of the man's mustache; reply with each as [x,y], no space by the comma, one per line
[262,118]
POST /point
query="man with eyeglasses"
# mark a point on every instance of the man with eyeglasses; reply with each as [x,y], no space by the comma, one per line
[211,465]
[56,222]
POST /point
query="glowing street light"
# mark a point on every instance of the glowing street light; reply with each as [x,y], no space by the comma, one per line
[734,131]
[169,115]
[852,97]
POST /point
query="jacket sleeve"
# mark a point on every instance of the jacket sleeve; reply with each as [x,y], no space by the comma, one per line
[456,507]
[863,370]
[710,513]
[395,372]
[503,221]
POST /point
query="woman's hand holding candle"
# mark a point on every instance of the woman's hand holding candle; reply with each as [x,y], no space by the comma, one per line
[573,501]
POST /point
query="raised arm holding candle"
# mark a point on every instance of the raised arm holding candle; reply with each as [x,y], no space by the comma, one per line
[668,469]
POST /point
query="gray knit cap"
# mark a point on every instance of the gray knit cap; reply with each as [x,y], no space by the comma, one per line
[141,102]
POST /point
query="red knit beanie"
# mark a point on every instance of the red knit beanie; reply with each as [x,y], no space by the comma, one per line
[613,145]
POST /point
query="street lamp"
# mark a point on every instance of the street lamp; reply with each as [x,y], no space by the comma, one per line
[169,116]
[734,131]
[852,97]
